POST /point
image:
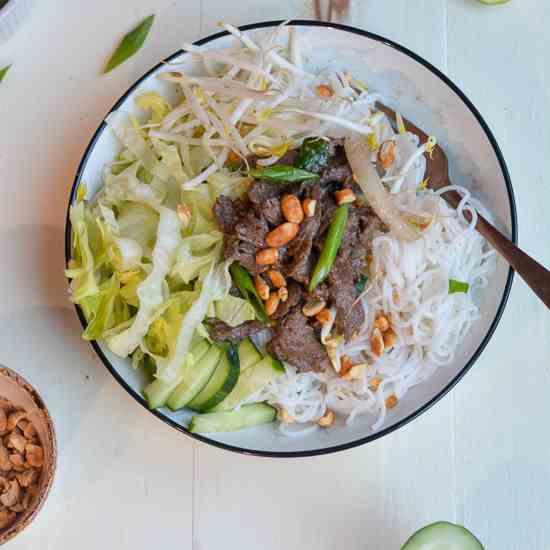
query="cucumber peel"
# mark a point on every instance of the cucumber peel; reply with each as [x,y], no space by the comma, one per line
[229,421]
[443,535]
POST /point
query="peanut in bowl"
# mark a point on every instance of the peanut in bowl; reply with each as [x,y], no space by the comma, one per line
[28,453]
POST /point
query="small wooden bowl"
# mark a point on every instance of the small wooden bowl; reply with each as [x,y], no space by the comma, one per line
[17,390]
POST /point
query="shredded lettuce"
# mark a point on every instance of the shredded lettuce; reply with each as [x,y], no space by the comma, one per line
[151,292]
[196,253]
[87,245]
[234,311]
[155,103]
[215,286]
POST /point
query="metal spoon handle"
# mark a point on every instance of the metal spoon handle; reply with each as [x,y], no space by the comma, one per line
[534,274]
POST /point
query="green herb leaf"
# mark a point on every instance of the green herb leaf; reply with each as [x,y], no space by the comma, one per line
[282,172]
[4,72]
[130,44]
[458,286]
[313,155]
[361,283]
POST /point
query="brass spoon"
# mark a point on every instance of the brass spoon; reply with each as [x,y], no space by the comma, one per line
[437,169]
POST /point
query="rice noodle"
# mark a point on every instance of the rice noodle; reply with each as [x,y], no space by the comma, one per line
[409,282]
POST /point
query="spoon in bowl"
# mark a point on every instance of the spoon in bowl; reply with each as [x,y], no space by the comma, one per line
[535,275]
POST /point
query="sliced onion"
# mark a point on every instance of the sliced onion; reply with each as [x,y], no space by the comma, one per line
[379,199]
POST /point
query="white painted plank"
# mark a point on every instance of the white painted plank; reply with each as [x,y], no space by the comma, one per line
[499,56]
[373,496]
[124,479]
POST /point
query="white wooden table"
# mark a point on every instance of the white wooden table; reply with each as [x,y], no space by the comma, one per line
[127,481]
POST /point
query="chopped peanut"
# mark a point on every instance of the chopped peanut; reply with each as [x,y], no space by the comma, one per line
[184,213]
[377,343]
[390,338]
[308,206]
[233,157]
[324,91]
[267,256]
[272,303]
[345,365]
[345,196]
[356,372]
[324,317]
[381,322]
[262,288]
[35,455]
[292,209]
[285,417]
[327,419]
[283,294]
[374,383]
[282,234]
[276,278]
[14,419]
[313,307]
[391,401]
[386,154]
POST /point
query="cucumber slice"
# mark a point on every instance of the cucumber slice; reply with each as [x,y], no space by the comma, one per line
[158,391]
[248,354]
[246,417]
[250,381]
[443,536]
[220,385]
[195,379]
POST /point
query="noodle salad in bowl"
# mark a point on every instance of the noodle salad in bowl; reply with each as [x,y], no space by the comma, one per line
[267,248]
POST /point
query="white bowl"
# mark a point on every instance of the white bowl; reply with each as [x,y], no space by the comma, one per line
[432,102]
[12,16]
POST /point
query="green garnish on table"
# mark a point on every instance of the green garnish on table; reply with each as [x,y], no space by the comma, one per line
[130,44]
[4,72]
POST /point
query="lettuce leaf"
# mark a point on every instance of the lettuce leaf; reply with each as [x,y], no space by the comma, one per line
[196,253]
[215,286]
[155,103]
[151,292]
[234,311]
[87,247]
[127,187]
[202,216]
[230,184]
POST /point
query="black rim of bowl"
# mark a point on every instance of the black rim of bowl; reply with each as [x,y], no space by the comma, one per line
[425,406]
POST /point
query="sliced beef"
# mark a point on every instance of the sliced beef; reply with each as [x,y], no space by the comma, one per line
[295,342]
[262,190]
[343,294]
[252,229]
[338,172]
[242,252]
[299,257]
[220,331]
[271,211]
[370,224]
[228,213]
[295,297]
[321,292]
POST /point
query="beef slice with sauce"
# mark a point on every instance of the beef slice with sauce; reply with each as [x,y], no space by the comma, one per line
[299,259]
[220,331]
[295,342]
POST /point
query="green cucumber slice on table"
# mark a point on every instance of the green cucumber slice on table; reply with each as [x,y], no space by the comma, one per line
[195,378]
[250,381]
[230,421]
[443,536]
[248,354]
[221,383]
[158,391]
